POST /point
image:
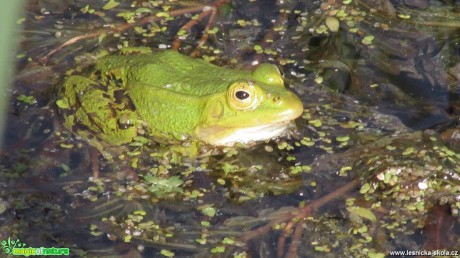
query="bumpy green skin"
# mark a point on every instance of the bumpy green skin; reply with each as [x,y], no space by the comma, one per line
[173,97]
[92,107]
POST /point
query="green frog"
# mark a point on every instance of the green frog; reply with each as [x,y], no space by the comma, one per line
[173,97]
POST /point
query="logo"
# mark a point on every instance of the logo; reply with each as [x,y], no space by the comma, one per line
[16,247]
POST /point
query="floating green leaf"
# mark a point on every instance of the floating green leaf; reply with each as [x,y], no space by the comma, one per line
[26,99]
[362,212]
[167,253]
[367,40]
[208,211]
[111,4]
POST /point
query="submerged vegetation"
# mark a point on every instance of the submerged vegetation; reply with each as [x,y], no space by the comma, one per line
[373,166]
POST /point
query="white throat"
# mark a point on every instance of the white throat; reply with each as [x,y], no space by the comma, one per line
[248,134]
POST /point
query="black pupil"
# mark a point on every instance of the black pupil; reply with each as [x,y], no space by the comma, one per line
[241,95]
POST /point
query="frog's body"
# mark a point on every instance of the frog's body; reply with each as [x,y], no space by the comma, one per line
[177,97]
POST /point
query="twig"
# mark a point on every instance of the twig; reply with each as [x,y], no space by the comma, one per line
[292,251]
[299,215]
[176,43]
[205,36]
[68,43]
[120,28]
[94,161]
[282,240]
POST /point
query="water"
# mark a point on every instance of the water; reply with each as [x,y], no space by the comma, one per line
[379,119]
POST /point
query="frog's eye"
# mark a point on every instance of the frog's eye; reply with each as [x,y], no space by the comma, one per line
[268,74]
[242,95]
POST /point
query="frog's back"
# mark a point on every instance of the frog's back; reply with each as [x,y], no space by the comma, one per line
[174,71]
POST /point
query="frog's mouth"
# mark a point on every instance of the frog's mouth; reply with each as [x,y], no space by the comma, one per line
[229,135]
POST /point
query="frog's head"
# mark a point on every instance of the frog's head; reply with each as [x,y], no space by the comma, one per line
[249,110]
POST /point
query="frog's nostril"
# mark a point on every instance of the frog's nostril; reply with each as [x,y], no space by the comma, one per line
[276,99]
